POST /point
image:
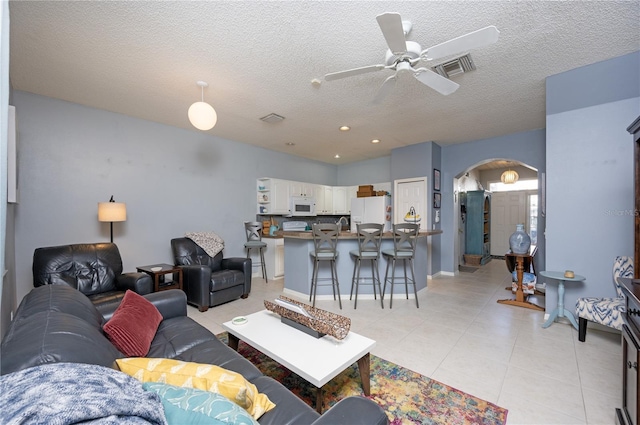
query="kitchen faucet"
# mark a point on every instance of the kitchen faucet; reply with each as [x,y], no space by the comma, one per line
[346,221]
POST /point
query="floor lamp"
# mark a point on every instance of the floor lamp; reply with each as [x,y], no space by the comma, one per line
[112,211]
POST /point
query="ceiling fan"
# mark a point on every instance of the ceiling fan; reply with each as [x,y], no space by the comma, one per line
[403,55]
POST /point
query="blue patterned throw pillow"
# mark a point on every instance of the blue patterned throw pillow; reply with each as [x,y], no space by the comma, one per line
[193,406]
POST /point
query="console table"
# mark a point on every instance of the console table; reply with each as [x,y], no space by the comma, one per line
[520,260]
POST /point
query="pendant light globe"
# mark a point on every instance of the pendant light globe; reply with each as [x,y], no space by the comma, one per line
[202,115]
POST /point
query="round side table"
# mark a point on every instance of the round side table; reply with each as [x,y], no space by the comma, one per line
[560,311]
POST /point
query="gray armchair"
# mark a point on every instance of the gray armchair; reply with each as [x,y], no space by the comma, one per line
[210,281]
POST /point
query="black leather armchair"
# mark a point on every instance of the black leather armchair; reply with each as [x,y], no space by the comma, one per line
[210,281]
[95,269]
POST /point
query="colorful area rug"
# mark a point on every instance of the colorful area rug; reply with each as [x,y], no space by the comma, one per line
[406,396]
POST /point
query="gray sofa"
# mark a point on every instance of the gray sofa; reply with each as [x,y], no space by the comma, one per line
[56,323]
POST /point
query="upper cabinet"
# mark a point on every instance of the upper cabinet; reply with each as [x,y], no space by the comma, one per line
[274,194]
[341,202]
[301,189]
[324,199]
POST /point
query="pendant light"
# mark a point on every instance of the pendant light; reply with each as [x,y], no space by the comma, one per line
[202,115]
[509,177]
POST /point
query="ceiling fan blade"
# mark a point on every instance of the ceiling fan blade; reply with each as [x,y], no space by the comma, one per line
[391,26]
[385,89]
[472,40]
[351,72]
[436,81]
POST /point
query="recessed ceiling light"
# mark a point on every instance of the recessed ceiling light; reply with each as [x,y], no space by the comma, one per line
[375,141]
[345,128]
[337,156]
[290,144]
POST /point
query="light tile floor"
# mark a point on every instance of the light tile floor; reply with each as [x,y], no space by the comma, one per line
[462,337]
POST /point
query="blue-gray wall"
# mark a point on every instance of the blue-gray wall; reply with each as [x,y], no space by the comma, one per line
[365,172]
[173,181]
[527,147]
[590,205]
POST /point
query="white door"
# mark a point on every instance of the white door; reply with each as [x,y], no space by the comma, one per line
[507,210]
[411,193]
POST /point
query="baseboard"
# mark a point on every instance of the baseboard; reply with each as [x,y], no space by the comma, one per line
[343,297]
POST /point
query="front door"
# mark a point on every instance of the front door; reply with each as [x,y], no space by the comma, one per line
[507,210]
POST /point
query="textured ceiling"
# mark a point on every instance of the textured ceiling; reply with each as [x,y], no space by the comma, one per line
[143,59]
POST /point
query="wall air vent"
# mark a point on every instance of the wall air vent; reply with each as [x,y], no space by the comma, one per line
[272,118]
[456,66]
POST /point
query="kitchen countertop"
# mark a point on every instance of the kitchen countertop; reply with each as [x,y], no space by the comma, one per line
[345,234]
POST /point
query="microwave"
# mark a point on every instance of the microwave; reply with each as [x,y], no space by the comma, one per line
[302,206]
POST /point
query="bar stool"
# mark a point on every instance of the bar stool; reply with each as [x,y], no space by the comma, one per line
[325,241]
[405,237]
[369,242]
[253,229]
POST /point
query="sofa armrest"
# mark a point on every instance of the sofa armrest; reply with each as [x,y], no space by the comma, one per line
[140,283]
[241,264]
[196,280]
[170,303]
[354,410]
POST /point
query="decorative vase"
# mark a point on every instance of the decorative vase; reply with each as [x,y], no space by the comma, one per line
[519,241]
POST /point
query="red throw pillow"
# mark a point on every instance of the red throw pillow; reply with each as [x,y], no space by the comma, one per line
[133,325]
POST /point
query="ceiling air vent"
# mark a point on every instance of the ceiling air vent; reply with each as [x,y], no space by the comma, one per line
[456,66]
[272,118]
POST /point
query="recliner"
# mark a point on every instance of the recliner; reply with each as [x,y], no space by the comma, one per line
[210,281]
[95,269]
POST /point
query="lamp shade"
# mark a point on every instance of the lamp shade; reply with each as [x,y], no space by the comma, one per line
[202,116]
[112,211]
[509,177]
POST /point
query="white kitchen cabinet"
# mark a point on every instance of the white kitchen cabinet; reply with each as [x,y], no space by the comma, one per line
[280,196]
[273,196]
[340,200]
[274,259]
[352,192]
[301,188]
[324,199]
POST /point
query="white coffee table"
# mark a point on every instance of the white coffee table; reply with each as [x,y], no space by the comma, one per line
[317,360]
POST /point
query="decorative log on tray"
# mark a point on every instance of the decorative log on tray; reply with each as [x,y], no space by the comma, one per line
[321,321]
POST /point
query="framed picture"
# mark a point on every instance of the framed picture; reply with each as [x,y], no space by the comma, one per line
[436,179]
[437,200]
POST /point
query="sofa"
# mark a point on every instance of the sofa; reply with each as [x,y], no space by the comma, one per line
[95,269]
[56,323]
[210,281]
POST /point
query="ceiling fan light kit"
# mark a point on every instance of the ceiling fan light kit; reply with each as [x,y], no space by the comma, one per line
[403,55]
[202,115]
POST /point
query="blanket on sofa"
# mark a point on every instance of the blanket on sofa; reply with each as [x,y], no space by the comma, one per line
[209,241]
[69,393]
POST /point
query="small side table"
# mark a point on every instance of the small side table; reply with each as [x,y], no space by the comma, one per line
[159,283]
[519,260]
[560,311]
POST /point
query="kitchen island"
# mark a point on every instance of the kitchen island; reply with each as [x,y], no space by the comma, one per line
[298,265]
